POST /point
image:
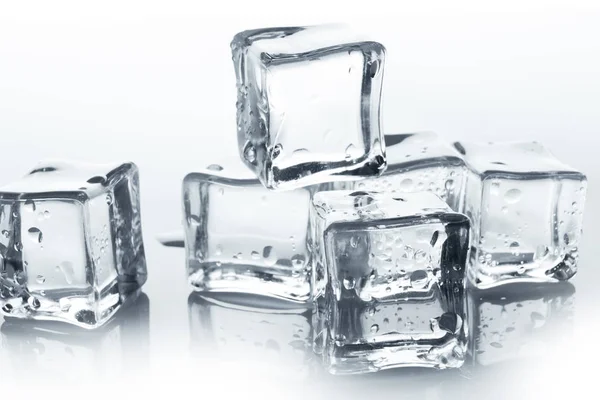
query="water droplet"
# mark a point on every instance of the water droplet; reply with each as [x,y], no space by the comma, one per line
[374,328]
[351,151]
[250,153]
[406,184]
[33,303]
[214,167]
[512,196]
[255,255]
[5,233]
[298,260]
[109,199]
[29,205]
[277,149]
[495,188]
[449,184]
[97,179]
[18,246]
[35,234]
[349,283]
[64,304]
[218,250]
[66,268]
[514,245]
[419,279]
[496,345]
[269,255]
[7,308]
[40,279]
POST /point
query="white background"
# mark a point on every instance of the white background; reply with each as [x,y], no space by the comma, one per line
[153,82]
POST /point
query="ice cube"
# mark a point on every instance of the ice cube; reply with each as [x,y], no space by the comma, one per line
[266,337]
[519,321]
[418,162]
[308,104]
[388,280]
[71,244]
[242,237]
[526,209]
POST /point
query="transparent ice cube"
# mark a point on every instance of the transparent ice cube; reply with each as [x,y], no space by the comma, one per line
[270,337]
[526,209]
[388,281]
[241,237]
[71,244]
[519,322]
[418,162]
[308,104]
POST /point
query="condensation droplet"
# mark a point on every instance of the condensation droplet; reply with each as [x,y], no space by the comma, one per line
[449,184]
[255,255]
[298,260]
[406,184]
[218,250]
[250,153]
[214,167]
[29,205]
[40,279]
[349,283]
[419,279]
[109,199]
[269,255]
[495,188]
[35,234]
[277,150]
[512,196]
[351,151]
[5,233]
[374,328]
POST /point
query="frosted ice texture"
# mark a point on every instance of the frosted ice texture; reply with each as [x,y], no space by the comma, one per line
[308,104]
[71,245]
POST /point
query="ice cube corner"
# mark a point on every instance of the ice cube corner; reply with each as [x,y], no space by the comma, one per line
[71,246]
[308,104]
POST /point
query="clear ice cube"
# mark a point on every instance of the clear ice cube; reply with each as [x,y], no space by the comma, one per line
[418,162]
[308,104]
[519,322]
[526,209]
[71,244]
[273,338]
[388,281]
[241,237]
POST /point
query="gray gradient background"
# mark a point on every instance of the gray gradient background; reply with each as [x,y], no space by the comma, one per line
[153,83]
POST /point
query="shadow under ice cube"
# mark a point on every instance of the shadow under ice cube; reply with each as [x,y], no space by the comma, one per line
[308,104]
[388,281]
[71,244]
[526,209]
[241,237]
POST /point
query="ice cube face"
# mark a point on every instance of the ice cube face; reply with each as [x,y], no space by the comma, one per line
[526,209]
[388,281]
[71,245]
[418,162]
[516,322]
[308,104]
[241,237]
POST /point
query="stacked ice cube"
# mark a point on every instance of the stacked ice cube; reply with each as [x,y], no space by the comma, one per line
[379,242]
